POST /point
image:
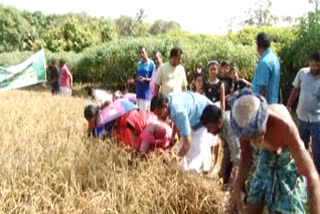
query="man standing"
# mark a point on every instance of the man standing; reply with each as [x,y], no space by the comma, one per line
[171,76]
[65,79]
[307,84]
[266,79]
[145,68]
[185,109]
[278,181]
[158,61]
[54,77]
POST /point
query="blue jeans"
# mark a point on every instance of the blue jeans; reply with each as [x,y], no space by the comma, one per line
[307,130]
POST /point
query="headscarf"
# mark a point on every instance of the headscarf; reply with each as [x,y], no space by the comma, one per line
[249,113]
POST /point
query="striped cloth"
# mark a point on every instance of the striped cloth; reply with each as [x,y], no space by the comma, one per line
[276,183]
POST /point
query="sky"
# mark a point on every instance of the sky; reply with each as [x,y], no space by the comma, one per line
[196,16]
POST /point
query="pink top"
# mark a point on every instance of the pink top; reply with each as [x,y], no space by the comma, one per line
[131,97]
[157,134]
[65,77]
[152,82]
[151,130]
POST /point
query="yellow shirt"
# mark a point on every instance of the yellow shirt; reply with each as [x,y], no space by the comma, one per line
[171,79]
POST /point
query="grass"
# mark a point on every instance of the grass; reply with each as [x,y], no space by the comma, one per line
[48,165]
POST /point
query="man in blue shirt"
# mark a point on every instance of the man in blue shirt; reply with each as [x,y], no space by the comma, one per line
[266,79]
[185,109]
[145,68]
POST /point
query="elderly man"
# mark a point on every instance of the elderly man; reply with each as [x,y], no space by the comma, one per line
[276,183]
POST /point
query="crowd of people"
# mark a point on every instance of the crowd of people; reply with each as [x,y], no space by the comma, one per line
[245,118]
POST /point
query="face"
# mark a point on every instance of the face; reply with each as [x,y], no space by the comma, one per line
[162,113]
[259,49]
[214,128]
[157,59]
[92,122]
[258,140]
[234,75]
[213,71]
[143,53]
[225,70]
[199,83]
[315,67]
[177,60]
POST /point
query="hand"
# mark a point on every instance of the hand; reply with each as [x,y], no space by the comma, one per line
[173,141]
[140,79]
[237,196]
[130,81]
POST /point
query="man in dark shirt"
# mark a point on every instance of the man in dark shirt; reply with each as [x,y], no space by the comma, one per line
[54,77]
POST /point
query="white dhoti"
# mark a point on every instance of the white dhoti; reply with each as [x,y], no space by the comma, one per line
[198,158]
[64,91]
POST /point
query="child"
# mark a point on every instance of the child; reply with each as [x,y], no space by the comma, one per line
[224,77]
[214,90]
[198,83]
[238,83]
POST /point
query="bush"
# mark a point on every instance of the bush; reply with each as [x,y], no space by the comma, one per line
[113,62]
[296,52]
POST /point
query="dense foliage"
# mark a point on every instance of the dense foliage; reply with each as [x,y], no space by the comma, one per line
[25,31]
[105,50]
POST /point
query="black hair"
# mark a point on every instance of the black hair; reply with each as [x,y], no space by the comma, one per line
[53,61]
[226,62]
[195,76]
[315,56]
[213,62]
[263,40]
[90,111]
[235,68]
[159,101]
[89,90]
[62,61]
[142,47]
[211,114]
[157,51]
[176,51]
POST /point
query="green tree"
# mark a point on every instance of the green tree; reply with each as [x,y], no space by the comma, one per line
[108,30]
[126,26]
[141,16]
[15,31]
[159,27]
[261,15]
[315,3]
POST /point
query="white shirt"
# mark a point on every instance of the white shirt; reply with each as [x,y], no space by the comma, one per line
[101,96]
